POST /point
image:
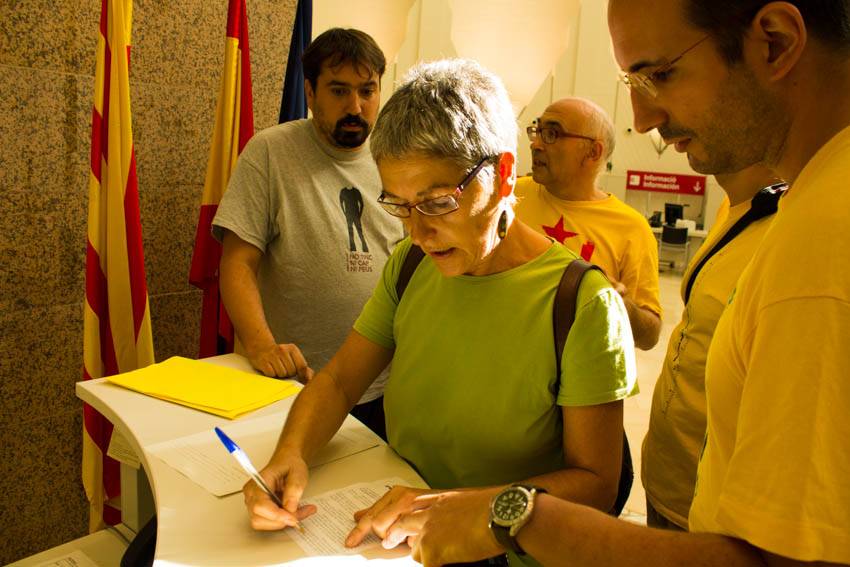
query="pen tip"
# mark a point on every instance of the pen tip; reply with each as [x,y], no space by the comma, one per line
[228,443]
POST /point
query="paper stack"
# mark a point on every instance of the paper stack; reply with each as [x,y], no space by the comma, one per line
[207,387]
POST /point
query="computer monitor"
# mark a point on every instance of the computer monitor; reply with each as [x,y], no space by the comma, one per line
[673,212]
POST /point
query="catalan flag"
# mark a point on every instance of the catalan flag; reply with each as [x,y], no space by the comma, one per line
[234,126]
[117,326]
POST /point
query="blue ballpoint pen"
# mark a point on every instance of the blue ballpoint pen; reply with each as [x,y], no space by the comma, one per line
[246,464]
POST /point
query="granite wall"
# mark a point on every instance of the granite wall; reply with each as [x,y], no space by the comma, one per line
[47,51]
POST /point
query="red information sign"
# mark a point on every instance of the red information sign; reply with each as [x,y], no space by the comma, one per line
[665,182]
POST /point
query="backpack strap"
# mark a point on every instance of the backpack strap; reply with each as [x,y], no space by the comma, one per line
[564,310]
[411,261]
[563,316]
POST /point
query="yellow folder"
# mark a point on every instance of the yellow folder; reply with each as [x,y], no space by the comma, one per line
[207,387]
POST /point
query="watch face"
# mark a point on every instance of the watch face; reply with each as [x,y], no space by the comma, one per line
[510,505]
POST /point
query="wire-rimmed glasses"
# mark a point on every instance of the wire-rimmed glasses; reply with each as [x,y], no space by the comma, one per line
[644,83]
[442,205]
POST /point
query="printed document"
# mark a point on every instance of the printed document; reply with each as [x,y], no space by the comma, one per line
[120,450]
[326,530]
[74,559]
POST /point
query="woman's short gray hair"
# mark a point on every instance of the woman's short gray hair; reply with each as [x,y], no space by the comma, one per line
[452,109]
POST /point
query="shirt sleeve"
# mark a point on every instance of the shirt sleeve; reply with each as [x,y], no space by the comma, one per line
[248,208]
[377,318]
[640,271]
[787,487]
[598,363]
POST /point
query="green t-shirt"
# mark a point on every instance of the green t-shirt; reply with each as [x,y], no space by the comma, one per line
[473,399]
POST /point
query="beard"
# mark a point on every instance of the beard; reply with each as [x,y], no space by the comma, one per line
[745,126]
[350,138]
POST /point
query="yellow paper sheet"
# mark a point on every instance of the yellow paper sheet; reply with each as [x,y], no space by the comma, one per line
[207,387]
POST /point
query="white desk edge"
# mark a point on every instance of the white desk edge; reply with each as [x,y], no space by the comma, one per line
[195,527]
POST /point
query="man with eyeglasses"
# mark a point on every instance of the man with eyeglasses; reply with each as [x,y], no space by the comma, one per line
[736,83]
[294,275]
[570,145]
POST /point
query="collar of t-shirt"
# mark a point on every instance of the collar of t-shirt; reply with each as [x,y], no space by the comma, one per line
[337,153]
[833,149]
[575,204]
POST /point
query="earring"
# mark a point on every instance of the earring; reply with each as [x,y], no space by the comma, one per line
[502,229]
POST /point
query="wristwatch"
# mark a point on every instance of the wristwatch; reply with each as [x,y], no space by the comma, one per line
[510,510]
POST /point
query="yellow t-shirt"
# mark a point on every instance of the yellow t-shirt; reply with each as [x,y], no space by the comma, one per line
[677,421]
[607,232]
[776,466]
[722,211]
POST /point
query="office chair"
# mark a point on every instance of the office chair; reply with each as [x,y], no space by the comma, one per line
[675,241]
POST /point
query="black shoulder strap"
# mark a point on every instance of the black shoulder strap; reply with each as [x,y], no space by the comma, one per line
[765,203]
[411,261]
[564,310]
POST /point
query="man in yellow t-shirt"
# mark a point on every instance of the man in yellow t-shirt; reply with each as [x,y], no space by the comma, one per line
[570,144]
[776,467]
[677,422]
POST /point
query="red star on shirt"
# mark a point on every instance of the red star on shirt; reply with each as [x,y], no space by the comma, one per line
[557,232]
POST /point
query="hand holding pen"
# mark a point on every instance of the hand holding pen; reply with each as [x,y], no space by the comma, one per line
[267,510]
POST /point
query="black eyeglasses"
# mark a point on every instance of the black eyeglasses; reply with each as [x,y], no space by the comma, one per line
[551,135]
[644,83]
[442,205]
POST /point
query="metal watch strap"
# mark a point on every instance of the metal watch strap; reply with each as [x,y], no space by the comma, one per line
[503,533]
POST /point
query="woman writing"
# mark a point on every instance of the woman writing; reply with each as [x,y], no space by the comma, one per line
[474,399]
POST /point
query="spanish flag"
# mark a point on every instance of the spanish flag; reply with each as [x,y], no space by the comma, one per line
[117,325]
[234,126]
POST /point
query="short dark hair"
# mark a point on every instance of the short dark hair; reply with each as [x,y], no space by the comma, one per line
[338,46]
[727,21]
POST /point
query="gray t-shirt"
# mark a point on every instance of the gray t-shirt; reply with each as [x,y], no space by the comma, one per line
[311,209]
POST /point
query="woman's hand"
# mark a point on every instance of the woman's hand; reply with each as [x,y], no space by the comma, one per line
[395,517]
[286,475]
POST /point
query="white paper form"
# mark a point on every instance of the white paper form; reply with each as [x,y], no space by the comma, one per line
[203,459]
[326,530]
[120,450]
[74,559]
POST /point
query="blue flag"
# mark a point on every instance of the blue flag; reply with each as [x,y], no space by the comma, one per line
[293,105]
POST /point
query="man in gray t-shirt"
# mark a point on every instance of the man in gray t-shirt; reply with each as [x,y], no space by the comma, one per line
[304,241]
